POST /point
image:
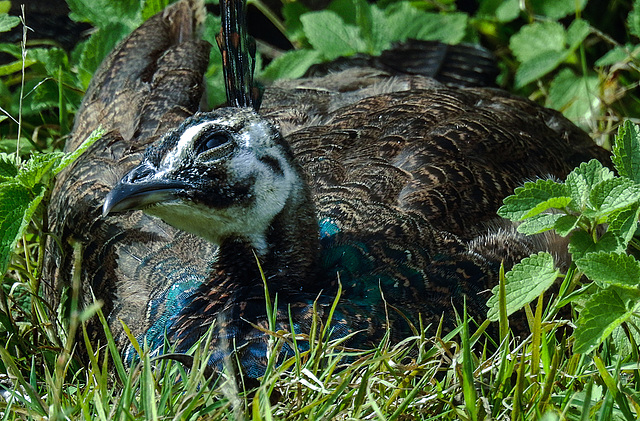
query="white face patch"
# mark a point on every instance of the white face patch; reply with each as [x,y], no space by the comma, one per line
[257,160]
[179,152]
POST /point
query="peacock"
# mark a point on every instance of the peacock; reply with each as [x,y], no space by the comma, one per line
[371,181]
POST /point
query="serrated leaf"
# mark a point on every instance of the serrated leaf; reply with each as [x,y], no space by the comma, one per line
[523,283]
[448,28]
[534,198]
[292,64]
[603,312]
[626,151]
[330,35]
[624,224]
[91,52]
[8,168]
[613,195]
[17,205]
[557,9]
[102,13]
[8,22]
[610,268]
[544,63]
[617,54]
[578,189]
[537,38]
[539,223]
[575,96]
[32,171]
[593,172]
[566,224]
[577,32]
[581,244]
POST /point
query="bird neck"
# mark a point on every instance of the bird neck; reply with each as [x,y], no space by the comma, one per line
[290,259]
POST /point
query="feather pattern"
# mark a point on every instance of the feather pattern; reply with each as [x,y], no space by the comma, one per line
[387,183]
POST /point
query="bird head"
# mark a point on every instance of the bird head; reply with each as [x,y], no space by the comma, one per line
[221,174]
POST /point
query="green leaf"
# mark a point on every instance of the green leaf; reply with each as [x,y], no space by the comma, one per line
[8,169]
[292,64]
[17,205]
[613,195]
[610,268]
[539,223]
[534,198]
[330,35]
[575,96]
[151,7]
[633,20]
[32,171]
[557,9]
[102,13]
[626,151]
[566,224]
[582,244]
[534,69]
[538,38]
[623,224]
[292,12]
[523,283]
[448,28]
[8,22]
[581,181]
[502,10]
[577,33]
[616,55]
[90,53]
[603,312]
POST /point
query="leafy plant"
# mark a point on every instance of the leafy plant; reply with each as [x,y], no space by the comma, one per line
[599,211]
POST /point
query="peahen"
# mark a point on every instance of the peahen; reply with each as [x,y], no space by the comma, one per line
[385,184]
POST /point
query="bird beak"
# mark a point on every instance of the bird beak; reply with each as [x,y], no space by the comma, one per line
[137,192]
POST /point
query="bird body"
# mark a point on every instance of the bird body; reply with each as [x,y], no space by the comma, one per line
[387,184]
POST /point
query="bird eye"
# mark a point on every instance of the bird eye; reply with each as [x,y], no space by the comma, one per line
[212,140]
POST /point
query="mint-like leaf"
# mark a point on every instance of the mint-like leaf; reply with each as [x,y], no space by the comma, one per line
[612,195]
[626,151]
[330,35]
[539,223]
[582,244]
[524,282]
[17,205]
[603,312]
[36,167]
[566,224]
[8,169]
[534,198]
[610,268]
[8,22]
[573,95]
[537,38]
[291,64]
[623,224]
[557,9]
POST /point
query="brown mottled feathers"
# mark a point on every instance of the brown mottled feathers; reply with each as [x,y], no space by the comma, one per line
[147,85]
[406,172]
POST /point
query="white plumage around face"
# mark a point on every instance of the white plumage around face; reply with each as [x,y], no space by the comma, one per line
[218,175]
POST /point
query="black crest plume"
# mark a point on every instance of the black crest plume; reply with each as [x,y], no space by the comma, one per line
[238,50]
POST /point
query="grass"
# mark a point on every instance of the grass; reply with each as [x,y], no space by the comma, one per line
[462,375]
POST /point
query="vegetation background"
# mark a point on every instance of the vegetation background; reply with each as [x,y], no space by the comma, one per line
[581,57]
